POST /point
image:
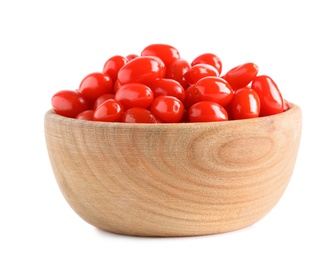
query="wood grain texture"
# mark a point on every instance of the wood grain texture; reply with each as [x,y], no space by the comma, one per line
[173,179]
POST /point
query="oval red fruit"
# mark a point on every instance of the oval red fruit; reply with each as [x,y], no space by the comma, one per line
[270,97]
[142,69]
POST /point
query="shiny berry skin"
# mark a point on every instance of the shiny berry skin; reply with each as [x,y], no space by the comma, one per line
[208,58]
[210,88]
[113,65]
[102,99]
[177,70]
[134,95]
[240,76]
[287,105]
[159,86]
[94,85]
[270,97]
[69,103]
[207,111]
[109,111]
[167,53]
[86,115]
[116,85]
[245,104]
[167,87]
[198,71]
[131,56]
[142,69]
[139,115]
[168,109]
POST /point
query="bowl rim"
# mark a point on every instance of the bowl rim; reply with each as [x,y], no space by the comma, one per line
[51,114]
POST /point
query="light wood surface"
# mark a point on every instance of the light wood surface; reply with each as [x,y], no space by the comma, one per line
[173,179]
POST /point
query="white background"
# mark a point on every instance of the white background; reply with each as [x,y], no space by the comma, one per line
[47,46]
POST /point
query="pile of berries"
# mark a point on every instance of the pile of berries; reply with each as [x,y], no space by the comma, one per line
[159,86]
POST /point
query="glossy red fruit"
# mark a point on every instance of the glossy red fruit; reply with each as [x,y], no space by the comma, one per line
[167,53]
[139,115]
[207,111]
[210,88]
[109,111]
[131,56]
[168,109]
[142,69]
[167,87]
[228,108]
[102,99]
[240,76]
[86,115]
[94,85]
[116,85]
[270,97]
[208,58]
[113,65]
[68,103]
[287,105]
[198,71]
[245,104]
[134,95]
[177,70]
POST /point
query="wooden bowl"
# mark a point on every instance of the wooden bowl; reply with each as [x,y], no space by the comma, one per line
[183,179]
